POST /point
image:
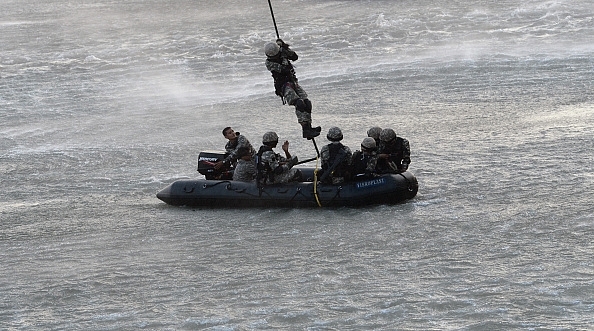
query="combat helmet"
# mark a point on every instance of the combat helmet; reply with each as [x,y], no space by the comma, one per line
[374,132]
[271,49]
[387,135]
[368,144]
[269,137]
[334,134]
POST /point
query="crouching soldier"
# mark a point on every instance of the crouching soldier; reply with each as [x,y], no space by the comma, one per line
[393,153]
[365,160]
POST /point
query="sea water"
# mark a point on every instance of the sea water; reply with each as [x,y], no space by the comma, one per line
[104,103]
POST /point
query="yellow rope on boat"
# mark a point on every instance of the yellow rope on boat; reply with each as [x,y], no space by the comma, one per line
[316,183]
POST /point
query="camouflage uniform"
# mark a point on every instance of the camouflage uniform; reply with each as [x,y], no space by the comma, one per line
[245,171]
[285,82]
[328,153]
[399,155]
[233,146]
[364,163]
[274,172]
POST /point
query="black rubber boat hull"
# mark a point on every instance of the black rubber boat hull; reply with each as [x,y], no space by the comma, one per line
[386,189]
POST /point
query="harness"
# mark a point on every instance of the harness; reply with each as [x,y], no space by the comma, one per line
[282,81]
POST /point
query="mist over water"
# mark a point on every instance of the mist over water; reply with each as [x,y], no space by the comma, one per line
[103,103]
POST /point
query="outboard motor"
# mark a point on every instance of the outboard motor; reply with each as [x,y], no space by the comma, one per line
[206,163]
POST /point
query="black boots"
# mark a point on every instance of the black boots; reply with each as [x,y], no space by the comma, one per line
[309,132]
[304,106]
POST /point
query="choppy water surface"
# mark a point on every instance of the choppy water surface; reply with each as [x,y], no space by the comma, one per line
[103,103]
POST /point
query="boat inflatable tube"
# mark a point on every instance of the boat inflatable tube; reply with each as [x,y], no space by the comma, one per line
[222,192]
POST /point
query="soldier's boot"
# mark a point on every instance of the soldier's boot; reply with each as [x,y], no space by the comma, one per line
[308,107]
[298,177]
[308,131]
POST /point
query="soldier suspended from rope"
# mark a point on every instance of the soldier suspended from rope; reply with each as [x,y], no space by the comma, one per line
[278,61]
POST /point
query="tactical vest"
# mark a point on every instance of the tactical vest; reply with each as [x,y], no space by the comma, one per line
[265,173]
[280,79]
[341,170]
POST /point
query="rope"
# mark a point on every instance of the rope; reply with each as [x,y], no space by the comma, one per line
[273,21]
[316,183]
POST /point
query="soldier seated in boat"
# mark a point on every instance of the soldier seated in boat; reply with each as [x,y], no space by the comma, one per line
[364,161]
[245,169]
[336,159]
[236,141]
[393,153]
[272,167]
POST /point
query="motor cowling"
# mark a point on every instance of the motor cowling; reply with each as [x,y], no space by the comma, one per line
[206,165]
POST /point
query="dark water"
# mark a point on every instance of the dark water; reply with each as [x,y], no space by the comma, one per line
[104,103]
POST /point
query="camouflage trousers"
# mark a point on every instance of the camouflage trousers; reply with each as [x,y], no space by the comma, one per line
[285,177]
[245,171]
[293,92]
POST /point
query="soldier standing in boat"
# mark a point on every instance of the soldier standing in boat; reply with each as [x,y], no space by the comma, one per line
[278,62]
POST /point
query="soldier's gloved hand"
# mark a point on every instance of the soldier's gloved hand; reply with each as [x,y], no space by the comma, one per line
[284,52]
[281,43]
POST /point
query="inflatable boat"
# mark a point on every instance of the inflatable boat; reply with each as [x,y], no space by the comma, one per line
[218,190]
